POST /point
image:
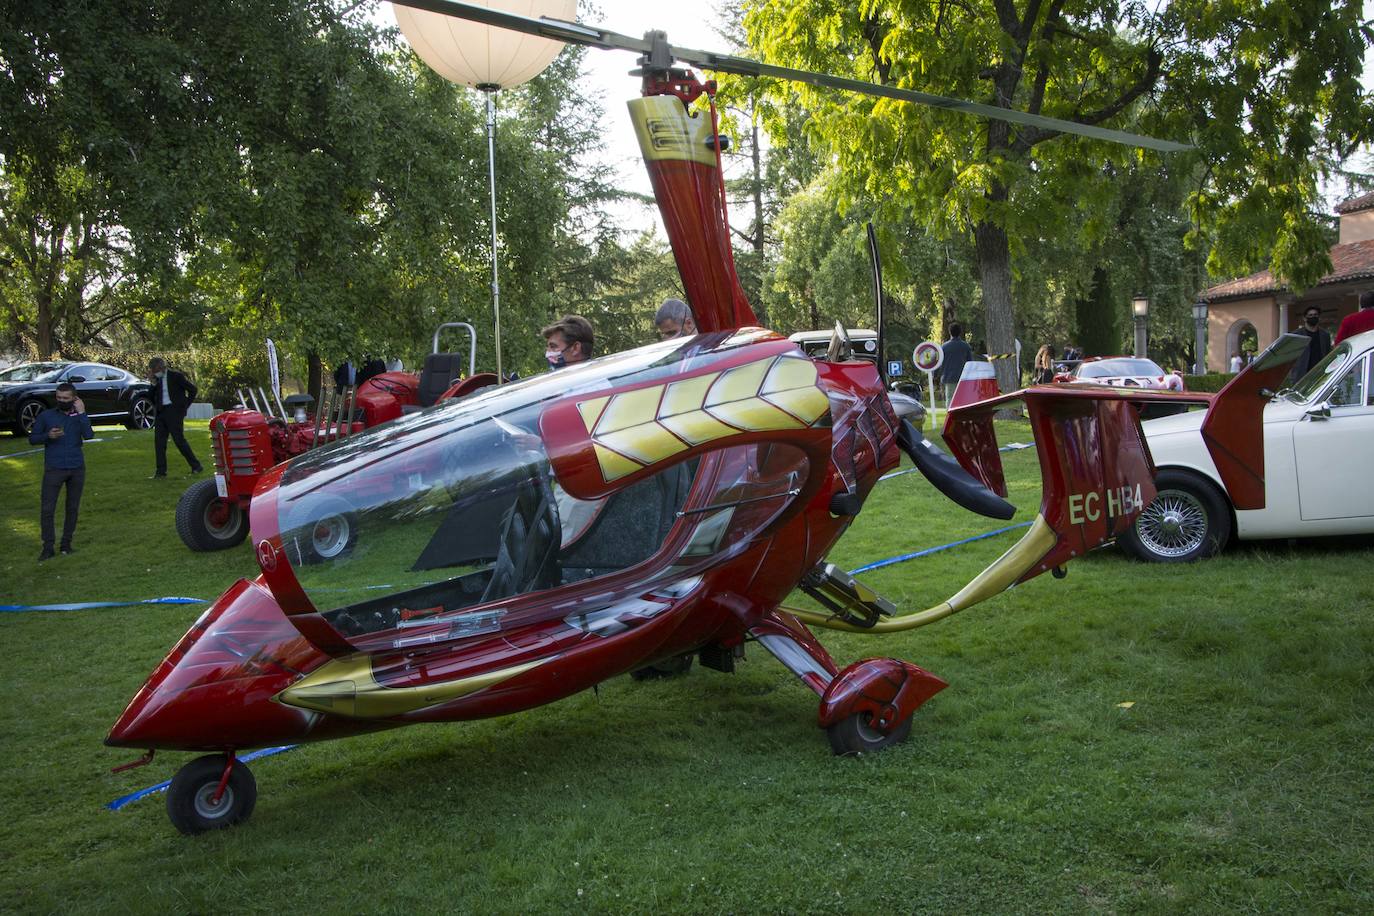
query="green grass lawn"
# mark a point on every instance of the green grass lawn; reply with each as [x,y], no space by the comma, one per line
[1240,779]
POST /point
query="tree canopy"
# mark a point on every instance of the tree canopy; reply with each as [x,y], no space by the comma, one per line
[1268,93]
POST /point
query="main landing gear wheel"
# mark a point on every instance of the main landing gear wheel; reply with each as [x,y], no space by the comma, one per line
[191,802]
[670,667]
[207,521]
[858,734]
[1187,521]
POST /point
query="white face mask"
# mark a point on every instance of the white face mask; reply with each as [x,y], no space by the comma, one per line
[555,358]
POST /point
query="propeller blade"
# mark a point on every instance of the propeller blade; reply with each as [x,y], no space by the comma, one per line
[595,37]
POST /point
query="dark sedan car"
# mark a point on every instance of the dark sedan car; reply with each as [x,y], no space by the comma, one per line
[111,395]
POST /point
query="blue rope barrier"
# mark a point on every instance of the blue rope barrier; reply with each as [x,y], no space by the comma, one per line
[40,449]
[878,564]
[163,786]
[88,605]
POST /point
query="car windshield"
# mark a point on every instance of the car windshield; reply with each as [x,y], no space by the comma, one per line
[32,372]
[1116,368]
[1321,373]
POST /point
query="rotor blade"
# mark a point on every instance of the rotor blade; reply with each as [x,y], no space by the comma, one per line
[593,36]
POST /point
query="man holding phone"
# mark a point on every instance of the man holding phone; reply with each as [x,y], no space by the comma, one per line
[60,430]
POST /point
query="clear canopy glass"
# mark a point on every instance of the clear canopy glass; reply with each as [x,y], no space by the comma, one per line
[423,529]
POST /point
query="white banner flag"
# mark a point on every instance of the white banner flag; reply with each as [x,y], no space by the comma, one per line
[272,367]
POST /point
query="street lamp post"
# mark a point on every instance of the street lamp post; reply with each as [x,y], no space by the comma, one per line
[1200,337]
[1140,311]
[489,59]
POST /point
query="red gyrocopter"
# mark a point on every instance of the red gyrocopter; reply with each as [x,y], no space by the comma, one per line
[522,544]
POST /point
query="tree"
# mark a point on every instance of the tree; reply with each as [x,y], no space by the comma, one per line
[273,168]
[1261,88]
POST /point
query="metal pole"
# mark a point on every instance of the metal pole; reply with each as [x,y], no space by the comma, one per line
[319,414]
[1141,337]
[1200,346]
[491,172]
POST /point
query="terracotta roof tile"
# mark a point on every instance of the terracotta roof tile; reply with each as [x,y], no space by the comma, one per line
[1348,262]
[1363,202]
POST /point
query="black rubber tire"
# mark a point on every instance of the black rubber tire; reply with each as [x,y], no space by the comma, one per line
[140,414]
[193,519]
[333,534]
[1188,520]
[669,667]
[855,735]
[188,798]
[27,413]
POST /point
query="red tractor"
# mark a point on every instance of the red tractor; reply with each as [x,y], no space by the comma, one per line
[213,513]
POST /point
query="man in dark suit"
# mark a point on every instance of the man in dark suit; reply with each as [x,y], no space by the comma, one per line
[172,393]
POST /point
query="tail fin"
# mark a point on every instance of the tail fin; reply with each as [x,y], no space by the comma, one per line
[978,382]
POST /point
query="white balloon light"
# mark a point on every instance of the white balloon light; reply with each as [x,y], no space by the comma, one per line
[490,59]
[483,56]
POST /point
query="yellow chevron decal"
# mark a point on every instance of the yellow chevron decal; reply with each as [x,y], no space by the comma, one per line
[636,429]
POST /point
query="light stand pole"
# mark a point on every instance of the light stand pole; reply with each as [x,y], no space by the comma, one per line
[486,58]
[1140,310]
[491,90]
[1200,337]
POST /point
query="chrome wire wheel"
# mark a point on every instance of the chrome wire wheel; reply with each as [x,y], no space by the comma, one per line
[1174,525]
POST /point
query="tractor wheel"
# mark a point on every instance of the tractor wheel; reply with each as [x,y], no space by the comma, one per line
[857,735]
[324,531]
[206,521]
[191,804]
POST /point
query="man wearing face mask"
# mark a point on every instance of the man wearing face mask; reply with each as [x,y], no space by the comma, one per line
[674,319]
[172,393]
[60,430]
[1319,342]
[568,340]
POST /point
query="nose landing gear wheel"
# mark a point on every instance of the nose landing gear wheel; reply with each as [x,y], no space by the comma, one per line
[191,803]
[858,734]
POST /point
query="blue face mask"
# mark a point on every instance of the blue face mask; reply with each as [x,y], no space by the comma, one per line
[555,358]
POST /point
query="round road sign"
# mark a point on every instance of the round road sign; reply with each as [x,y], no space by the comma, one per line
[928,356]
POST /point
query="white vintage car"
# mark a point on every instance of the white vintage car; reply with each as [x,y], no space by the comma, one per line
[1318,448]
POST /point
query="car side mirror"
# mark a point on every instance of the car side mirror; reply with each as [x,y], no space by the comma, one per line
[76,378]
[1321,412]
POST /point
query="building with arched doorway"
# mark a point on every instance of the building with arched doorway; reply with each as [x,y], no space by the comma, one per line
[1260,304]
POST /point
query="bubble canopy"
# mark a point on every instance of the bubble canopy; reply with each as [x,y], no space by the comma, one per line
[429,527]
